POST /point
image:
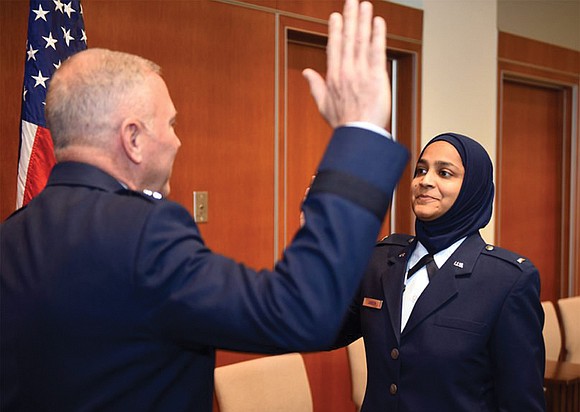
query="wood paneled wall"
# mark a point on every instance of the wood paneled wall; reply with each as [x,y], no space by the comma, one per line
[251,136]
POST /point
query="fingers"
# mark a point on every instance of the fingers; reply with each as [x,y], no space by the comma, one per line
[334,47]
[317,88]
[363,35]
[349,34]
[378,56]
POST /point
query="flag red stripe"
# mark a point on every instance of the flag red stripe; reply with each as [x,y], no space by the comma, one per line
[41,162]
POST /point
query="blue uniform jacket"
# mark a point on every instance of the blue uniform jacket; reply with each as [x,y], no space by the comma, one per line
[473,341]
[111,301]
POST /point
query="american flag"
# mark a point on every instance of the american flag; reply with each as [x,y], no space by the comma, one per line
[55,32]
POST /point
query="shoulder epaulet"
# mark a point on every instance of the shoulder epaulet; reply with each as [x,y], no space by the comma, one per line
[506,255]
[399,239]
[146,194]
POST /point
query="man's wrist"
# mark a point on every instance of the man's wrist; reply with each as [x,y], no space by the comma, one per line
[370,126]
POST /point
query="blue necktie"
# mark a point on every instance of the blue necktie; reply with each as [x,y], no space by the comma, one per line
[425,260]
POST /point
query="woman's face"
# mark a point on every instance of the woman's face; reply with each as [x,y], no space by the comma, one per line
[437,181]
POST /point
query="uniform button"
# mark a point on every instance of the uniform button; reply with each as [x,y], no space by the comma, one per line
[395,353]
[489,247]
[393,389]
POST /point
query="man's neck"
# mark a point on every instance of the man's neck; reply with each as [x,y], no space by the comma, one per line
[104,160]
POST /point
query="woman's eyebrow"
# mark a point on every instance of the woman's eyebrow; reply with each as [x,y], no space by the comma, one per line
[443,163]
[440,163]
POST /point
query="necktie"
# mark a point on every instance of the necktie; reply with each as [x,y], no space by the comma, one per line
[425,260]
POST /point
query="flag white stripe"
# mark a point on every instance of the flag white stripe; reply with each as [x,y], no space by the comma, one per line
[27,142]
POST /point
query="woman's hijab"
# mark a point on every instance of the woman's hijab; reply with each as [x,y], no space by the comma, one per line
[474,204]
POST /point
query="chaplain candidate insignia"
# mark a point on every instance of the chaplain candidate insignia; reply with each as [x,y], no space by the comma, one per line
[372,303]
[153,194]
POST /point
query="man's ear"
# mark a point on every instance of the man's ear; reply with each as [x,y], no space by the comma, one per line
[132,134]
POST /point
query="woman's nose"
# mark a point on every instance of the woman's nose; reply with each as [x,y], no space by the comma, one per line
[428,179]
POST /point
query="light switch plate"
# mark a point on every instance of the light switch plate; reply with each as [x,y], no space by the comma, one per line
[200,207]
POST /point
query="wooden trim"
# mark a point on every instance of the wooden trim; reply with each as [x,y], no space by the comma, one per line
[535,53]
[407,26]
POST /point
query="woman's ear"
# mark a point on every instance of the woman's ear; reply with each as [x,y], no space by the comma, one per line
[132,134]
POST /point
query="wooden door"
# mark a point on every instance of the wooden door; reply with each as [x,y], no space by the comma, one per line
[304,134]
[536,162]
[532,190]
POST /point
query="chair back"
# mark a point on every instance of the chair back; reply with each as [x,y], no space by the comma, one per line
[551,332]
[272,383]
[358,371]
[570,313]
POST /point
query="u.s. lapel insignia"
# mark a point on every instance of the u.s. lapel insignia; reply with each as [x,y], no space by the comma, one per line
[372,303]
[458,264]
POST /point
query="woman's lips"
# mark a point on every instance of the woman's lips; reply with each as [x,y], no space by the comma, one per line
[425,198]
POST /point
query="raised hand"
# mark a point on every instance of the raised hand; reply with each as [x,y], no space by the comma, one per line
[357,85]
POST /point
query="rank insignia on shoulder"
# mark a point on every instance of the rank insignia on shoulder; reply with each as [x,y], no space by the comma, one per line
[506,255]
[153,194]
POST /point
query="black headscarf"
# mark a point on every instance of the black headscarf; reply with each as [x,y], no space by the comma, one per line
[474,204]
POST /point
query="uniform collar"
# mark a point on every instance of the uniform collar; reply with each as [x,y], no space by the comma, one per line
[82,174]
[440,257]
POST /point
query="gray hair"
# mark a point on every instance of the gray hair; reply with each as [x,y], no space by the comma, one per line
[90,94]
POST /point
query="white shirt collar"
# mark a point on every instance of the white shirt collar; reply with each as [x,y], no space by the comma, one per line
[440,257]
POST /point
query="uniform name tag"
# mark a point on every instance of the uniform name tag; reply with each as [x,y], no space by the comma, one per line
[372,303]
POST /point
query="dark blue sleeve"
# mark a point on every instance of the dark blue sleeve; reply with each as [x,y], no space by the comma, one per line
[517,346]
[197,297]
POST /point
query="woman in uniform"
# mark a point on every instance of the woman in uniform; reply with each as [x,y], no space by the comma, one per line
[450,323]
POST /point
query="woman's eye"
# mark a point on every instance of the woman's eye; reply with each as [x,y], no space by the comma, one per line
[445,173]
[420,171]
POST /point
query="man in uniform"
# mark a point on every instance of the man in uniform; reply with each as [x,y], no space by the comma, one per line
[110,299]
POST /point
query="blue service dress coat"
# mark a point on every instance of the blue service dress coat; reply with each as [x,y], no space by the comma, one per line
[473,341]
[111,301]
